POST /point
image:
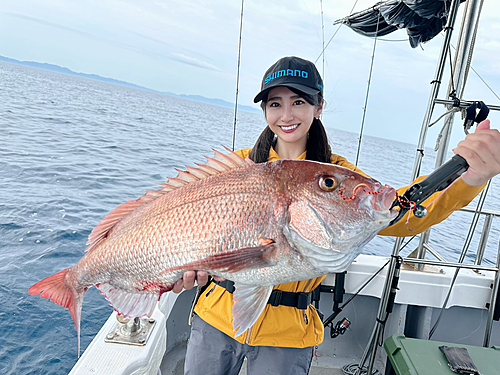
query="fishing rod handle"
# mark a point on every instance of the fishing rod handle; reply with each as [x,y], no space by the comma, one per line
[438,180]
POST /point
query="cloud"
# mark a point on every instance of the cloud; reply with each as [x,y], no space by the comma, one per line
[184,58]
[48,23]
[194,62]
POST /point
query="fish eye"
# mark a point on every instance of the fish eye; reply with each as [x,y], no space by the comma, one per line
[327,183]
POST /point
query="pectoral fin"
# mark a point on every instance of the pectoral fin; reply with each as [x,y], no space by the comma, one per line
[249,302]
[233,261]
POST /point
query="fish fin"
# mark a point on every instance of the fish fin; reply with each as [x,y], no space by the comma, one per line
[55,289]
[128,304]
[248,303]
[218,164]
[237,158]
[233,261]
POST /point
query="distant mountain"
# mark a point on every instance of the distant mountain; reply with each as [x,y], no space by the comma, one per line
[60,69]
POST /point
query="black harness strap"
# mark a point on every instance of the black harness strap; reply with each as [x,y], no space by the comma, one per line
[226,284]
[278,297]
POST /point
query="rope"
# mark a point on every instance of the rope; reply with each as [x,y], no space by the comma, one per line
[238,75]
[440,135]
[353,369]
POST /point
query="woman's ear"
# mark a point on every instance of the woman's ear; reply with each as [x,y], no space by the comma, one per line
[319,109]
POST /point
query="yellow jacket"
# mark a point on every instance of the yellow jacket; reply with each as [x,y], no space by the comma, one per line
[290,327]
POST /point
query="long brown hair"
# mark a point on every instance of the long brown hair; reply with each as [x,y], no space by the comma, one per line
[317,147]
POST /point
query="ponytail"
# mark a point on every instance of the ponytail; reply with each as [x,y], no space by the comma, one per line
[317,146]
[260,151]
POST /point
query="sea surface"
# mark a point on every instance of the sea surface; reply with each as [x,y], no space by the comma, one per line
[72,149]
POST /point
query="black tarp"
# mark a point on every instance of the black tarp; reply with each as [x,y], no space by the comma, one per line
[422,19]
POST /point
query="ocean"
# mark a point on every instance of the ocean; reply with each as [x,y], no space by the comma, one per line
[72,149]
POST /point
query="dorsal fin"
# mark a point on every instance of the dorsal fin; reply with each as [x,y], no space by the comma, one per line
[219,163]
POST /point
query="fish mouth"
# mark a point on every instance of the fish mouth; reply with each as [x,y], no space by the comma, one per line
[381,200]
[379,205]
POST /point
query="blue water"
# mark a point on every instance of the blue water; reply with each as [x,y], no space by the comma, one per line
[72,149]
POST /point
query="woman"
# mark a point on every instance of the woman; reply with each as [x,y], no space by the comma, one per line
[282,340]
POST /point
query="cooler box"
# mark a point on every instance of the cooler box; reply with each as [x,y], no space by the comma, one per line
[423,357]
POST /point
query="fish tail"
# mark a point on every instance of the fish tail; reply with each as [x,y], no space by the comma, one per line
[58,289]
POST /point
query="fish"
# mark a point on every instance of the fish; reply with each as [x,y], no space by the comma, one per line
[258,225]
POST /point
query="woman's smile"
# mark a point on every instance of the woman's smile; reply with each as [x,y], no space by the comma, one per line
[289,128]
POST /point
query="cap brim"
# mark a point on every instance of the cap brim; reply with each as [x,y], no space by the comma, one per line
[305,89]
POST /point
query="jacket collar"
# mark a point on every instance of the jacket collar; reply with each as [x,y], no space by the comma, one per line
[273,155]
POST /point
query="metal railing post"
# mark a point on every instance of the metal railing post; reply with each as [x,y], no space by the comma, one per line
[484,239]
[493,300]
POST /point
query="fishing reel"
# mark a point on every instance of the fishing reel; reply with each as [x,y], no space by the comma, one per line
[339,328]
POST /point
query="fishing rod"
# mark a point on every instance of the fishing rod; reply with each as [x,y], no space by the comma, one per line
[442,178]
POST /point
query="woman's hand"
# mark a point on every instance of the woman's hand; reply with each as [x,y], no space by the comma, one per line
[189,278]
[481,149]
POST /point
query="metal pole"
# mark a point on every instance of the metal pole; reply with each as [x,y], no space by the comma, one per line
[463,56]
[422,249]
[449,264]
[484,239]
[418,160]
[494,294]
[436,83]
[384,299]
[465,104]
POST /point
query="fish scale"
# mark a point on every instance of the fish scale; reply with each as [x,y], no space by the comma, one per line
[256,224]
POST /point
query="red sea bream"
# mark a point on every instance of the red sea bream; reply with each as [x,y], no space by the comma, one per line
[256,224]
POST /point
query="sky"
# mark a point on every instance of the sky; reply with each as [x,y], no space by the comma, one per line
[191,47]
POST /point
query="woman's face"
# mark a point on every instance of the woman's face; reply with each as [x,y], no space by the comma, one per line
[289,116]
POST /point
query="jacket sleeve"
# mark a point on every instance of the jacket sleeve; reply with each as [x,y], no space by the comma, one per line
[443,204]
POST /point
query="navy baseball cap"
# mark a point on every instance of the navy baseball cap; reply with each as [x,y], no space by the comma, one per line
[293,72]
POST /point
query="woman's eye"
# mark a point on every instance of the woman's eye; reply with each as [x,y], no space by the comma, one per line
[275,104]
[298,102]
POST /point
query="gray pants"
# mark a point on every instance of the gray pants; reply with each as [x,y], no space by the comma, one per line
[211,352]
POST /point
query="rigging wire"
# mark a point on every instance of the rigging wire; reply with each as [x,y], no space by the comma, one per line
[367,93]
[333,36]
[238,75]
[325,47]
[481,78]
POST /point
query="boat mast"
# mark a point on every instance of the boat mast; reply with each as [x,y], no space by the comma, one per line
[436,85]
[461,65]
[371,349]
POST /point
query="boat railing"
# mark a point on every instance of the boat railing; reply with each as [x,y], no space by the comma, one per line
[488,219]
[481,248]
